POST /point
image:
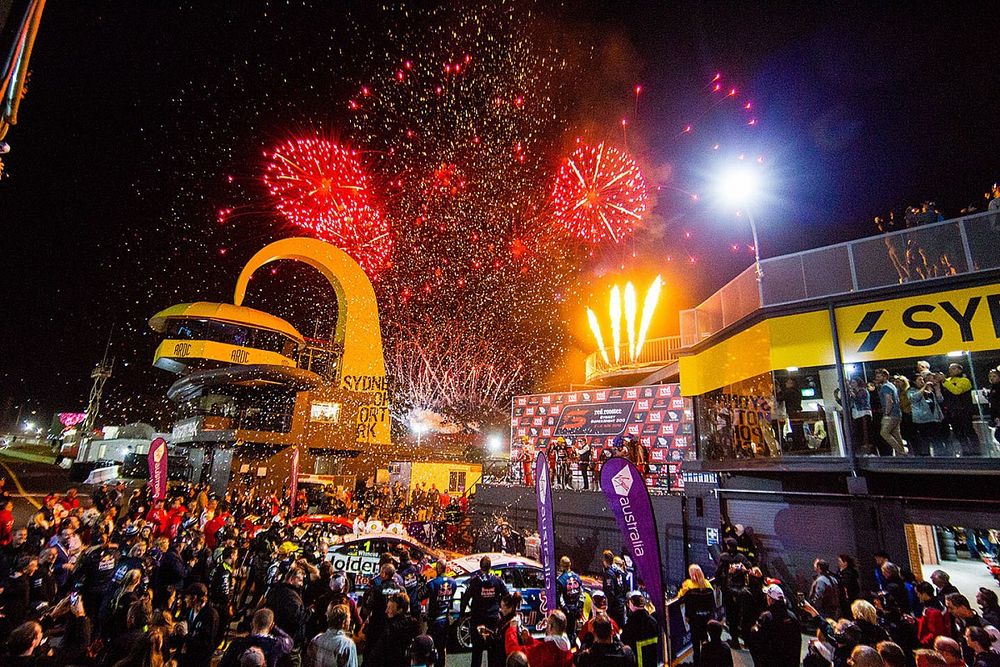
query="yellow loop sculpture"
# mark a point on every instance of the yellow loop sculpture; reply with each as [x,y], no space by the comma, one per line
[362,367]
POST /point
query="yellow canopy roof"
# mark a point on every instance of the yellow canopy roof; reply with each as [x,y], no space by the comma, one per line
[224,312]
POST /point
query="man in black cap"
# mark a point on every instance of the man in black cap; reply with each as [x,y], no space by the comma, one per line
[641,632]
[203,627]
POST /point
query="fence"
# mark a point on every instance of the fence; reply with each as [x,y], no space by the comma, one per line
[655,352]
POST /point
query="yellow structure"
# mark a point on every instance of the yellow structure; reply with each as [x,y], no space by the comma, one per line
[362,369]
[772,344]
[239,336]
[251,385]
[451,476]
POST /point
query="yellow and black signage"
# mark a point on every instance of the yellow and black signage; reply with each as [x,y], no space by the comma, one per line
[926,325]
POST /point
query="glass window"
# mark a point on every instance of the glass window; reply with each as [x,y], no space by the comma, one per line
[946,405]
[456,482]
[794,412]
[327,413]
[532,578]
[185,329]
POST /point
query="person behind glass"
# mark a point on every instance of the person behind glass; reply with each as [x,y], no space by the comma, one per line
[906,427]
[582,447]
[861,415]
[959,409]
[928,419]
[791,398]
[892,414]
[993,400]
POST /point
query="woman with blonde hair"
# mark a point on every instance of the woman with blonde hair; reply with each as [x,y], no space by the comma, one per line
[699,606]
[866,618]
[147,652]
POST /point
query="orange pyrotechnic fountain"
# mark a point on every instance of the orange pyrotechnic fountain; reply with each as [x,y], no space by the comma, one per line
[625,301]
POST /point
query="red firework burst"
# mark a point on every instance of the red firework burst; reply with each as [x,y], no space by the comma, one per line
[322,187]
[599,194]
[318,185]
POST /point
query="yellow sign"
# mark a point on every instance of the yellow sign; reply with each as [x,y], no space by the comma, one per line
[803,340]
[925,325]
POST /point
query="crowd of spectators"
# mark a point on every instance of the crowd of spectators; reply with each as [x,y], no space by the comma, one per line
[901,622]
[925,413]
[196,579]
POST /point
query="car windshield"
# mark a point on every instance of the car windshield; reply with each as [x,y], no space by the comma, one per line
[532,578]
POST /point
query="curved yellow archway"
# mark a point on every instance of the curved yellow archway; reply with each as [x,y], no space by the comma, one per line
[362,368]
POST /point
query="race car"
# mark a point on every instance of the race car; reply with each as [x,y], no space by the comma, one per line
[358,554]
[518,574]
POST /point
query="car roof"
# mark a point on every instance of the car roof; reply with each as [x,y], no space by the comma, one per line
[405,538]
[471,562]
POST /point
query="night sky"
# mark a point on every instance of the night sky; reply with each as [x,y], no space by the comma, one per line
[142,121]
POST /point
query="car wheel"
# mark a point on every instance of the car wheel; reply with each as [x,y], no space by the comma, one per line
[462,635]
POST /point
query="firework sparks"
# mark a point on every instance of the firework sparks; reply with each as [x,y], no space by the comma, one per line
[322,188]
[599,194]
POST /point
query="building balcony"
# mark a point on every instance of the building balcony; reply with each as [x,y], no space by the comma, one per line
[926,253]
[656,353]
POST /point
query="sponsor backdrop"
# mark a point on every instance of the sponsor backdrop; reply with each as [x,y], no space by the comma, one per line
[657,415]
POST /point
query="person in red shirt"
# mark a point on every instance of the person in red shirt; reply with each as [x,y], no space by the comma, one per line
[175,517]
[70,501]
[552,651]
[6,523]
[934,621]
[586,634]
[213,525]
[159,517]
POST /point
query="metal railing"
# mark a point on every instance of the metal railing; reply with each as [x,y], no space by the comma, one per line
[655,352]
[929,252]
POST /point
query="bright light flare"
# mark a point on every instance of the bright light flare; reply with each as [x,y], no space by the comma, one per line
[595,328]
[630,310]
[615,311]
[648,307]
[739,184]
